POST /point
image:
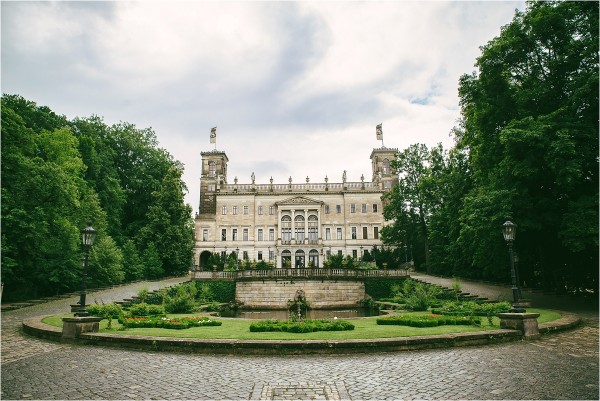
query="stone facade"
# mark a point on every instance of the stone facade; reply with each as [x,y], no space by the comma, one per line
[290,225]
[322,294]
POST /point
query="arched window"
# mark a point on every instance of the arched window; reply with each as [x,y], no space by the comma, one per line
[286,229]
[299,228]
[300,258]
[212,168]
[313,258]
[286,259]
[313,229]
[386,166]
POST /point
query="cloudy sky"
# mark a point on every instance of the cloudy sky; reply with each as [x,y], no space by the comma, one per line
[295,88]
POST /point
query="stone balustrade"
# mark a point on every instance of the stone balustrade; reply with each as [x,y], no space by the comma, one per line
[321,273]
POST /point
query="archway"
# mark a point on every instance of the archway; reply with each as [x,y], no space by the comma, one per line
[300,259]
[203,261]
[286,259]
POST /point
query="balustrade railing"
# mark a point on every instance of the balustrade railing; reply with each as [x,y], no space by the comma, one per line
[321,273]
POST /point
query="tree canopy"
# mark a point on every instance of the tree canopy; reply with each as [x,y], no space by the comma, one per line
[526,149]
[58,174]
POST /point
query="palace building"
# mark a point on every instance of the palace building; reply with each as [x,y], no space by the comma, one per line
[291,225]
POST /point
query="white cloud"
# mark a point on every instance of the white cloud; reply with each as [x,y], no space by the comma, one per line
[296,88]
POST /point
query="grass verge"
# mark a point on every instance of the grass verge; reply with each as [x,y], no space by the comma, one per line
[365,328]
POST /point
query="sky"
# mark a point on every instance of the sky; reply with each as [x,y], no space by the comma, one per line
[295,89]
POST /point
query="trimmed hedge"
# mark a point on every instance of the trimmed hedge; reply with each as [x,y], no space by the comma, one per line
[166,323]
[472,308]
[429,320]
[307,326]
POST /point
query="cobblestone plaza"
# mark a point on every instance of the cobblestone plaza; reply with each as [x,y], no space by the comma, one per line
[558,366]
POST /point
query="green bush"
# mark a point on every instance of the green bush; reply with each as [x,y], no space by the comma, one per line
[428,320]
[307,326]
[466,308]
[382,288]
[143,309]
[166,323]
[222,291]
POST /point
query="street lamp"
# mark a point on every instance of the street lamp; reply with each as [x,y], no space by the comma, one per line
[509,230]
[237,258]
[88,235]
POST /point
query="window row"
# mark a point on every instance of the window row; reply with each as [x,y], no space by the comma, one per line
[353,233]
[338,209]
[299,232]
[363,208]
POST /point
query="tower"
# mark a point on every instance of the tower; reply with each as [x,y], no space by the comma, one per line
[383,173]
[213,175]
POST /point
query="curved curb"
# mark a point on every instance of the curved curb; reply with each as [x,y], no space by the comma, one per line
[36,327]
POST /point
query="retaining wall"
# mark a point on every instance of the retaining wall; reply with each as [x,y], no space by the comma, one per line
[321,294]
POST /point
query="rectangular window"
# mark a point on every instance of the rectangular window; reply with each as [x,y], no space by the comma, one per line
[259,255]
[328,233]
[365,235]
[376,232]
[354,254]
[328,254]
[271,255]
[271,234]
[234,210]
[271,210]
[234,234]
[223,209]
[363,208]
[245,255]
[224,234]
[260,210]
[260,234]
[338,208]
[353,232]
[374,207]
[245,209]
[326,209]
[339,233]
[340,252]
[205,235]
[211,188]
[223,254]
[352,208]
[245,234]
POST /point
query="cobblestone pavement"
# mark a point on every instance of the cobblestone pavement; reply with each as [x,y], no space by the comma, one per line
[559,366]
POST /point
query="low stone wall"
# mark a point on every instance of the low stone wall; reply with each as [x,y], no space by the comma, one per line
[321,294]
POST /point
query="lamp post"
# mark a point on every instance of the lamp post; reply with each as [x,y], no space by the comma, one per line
[88,235]
[237,258]
[509,230]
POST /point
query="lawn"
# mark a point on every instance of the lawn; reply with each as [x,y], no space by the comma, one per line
[365,328]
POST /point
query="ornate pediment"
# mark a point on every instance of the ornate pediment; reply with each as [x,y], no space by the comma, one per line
[298,200]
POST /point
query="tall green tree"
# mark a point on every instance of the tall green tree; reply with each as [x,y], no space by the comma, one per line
[412,201]
[531,127]
[169,225]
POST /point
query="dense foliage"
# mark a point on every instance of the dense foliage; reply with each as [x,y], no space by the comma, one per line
[57,174]
[526,149]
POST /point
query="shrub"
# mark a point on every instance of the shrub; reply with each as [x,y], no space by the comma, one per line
[143,309]
[166,323]
[428,320]
[222,291]
[307,326]
[467,308]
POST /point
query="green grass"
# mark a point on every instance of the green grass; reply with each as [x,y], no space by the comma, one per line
[365,328]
